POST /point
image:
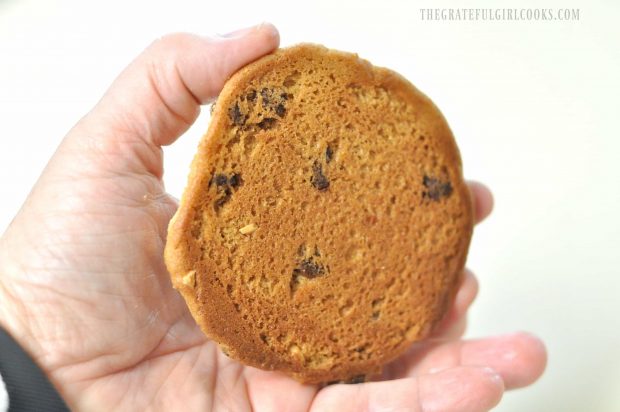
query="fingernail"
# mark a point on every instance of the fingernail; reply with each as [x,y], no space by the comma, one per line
[248,30]
[503,348]
[238,33]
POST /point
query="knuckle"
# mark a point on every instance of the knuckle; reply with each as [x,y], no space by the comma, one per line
[171,42]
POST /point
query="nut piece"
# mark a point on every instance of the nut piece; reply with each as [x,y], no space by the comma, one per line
[247,229]
[190,278]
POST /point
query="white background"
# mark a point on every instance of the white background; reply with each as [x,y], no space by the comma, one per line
[534,106]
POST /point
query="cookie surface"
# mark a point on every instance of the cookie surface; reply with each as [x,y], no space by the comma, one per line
[325,223]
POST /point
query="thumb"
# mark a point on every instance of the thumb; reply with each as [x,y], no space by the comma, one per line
[158,96]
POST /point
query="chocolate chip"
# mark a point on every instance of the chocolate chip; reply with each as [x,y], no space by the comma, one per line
[329,154]
[436,188]
[309,269]
[265,95]
[285,96]
[267,123]
[318,179]
[221,180]
[235,180]
[251,96]
[301,250]
[356,379]
[280,110]
[221,201]
[236,116]
[224,198]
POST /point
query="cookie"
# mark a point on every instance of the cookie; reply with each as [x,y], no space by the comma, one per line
[325,222]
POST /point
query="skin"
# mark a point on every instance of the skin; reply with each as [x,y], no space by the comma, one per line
[84,289]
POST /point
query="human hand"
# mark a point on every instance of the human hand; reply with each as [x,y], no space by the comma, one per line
[84,289]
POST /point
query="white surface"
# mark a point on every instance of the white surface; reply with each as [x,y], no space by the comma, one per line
[534,106]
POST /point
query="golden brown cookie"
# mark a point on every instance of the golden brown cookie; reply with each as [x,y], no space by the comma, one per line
[326,222]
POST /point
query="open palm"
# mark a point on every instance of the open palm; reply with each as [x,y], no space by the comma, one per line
[84,287]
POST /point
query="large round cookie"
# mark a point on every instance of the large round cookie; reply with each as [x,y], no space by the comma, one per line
[325,223]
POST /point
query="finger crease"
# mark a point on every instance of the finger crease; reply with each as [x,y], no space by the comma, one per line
[154,85]
[177,72]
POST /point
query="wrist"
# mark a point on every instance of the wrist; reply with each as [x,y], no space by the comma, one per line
[27,387]
[24,362]
[13,314]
